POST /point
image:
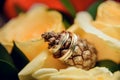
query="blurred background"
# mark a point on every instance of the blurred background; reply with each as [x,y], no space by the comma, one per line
[11,8]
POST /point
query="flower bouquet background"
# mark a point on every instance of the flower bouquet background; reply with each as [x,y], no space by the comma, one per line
[22,48]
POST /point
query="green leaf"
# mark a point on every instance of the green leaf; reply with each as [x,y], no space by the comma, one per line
[66,23]
[119,66]
[18,9]
[69,7]
[67,20]
[112,66]
[8,71]
[4,55]
[20,60]
[93,8]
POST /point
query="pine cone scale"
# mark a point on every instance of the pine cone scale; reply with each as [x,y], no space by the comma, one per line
[71,49]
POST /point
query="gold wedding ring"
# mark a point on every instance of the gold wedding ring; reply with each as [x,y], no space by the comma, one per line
[62,41]
[71,48]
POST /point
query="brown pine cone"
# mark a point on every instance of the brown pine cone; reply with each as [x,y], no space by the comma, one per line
[71,49]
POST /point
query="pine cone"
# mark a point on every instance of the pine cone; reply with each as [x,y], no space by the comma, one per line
[71,49]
